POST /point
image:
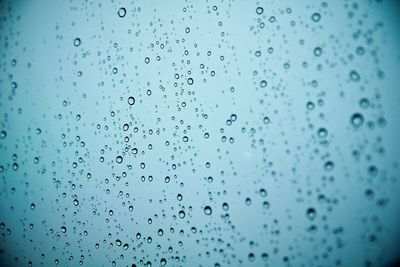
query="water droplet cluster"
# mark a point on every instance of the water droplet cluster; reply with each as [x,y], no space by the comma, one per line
[199,133]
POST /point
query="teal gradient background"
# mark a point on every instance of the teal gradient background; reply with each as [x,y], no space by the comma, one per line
[250,112]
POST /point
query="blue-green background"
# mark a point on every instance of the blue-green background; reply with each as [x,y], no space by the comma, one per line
[63,108]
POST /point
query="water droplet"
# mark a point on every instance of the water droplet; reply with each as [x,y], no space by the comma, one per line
[266,120]
[131,100]
[311,213]
[354,76]
[121,12]
[207,210]
[322,133]
[317,51]
[357,120]
[263,84]
[3,134]
[77,42]
[248,201]
[316,17]
[329,165]
[259,10]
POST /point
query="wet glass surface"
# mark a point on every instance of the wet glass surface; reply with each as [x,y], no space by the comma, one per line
[199,133]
